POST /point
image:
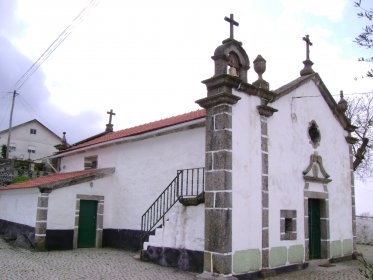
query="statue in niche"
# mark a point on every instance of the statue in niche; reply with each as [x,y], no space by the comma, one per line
[234,65]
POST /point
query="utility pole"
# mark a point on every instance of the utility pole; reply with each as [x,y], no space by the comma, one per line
[10,125]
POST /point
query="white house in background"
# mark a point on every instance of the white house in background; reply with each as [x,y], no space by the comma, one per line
[257,182]
[30,140]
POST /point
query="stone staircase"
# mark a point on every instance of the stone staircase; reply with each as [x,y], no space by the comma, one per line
[164,223]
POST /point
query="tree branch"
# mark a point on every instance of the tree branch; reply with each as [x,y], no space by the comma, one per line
[359,156]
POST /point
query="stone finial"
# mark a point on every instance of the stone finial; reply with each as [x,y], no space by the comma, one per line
[64,145]
[307,63]
[64,138]
[260,68]
[342,104]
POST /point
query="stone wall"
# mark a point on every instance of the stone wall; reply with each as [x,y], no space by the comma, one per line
[6,169]
[10,169]
[364,229]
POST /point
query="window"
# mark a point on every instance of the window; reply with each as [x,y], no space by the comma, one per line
[314,134]
[90,162]
[32,130]
[12,147]
[288,224]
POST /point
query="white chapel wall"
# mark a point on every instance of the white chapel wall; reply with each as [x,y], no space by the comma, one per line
[143,169]
[246,177]
[289,156]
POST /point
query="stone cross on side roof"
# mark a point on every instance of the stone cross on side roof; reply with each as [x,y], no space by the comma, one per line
[109,126]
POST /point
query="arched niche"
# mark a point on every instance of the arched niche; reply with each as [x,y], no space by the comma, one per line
[231,58]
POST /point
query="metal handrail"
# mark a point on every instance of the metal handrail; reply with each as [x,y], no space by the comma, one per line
[187,183]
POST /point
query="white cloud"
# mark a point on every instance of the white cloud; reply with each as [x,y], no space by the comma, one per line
[146,59]
[331,9]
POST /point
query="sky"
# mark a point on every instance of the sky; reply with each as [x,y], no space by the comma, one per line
[146,59]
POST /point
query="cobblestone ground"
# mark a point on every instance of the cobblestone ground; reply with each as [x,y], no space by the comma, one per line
[17,263]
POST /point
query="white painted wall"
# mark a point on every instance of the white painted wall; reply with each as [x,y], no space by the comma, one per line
[143,169]
[247,171]
[19,206]
[289,156]
[43,141]
[62,202]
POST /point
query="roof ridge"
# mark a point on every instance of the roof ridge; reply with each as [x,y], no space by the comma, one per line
[164,119]
[139,129]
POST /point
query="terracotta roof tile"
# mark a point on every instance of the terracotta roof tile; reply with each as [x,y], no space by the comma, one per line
[45,180]
[142,129]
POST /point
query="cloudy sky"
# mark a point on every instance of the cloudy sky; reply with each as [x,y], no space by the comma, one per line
[145,59]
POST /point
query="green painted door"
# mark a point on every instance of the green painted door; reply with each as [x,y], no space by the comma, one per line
[87,224]
[314,228]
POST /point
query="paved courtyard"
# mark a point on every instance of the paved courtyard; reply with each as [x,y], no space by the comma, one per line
[17,263]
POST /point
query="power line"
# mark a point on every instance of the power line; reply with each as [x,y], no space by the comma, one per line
[355,93]
[52,47]
[35,66]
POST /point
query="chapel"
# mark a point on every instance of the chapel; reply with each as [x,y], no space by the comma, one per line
[255,182]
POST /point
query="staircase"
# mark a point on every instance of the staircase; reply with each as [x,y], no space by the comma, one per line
[187,188]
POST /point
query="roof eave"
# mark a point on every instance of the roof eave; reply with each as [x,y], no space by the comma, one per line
[48,187]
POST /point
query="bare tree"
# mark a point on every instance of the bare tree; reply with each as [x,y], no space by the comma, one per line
[364,39]
[360,112]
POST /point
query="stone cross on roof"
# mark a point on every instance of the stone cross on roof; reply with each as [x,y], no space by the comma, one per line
[232,22]
[111,113]
[109,126]
[307,70]
[308,44]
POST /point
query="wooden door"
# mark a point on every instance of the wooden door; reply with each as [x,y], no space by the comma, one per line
[314,228]
[87,224]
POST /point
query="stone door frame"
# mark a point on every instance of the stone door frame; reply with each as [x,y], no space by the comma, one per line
[324,223]
[100,218]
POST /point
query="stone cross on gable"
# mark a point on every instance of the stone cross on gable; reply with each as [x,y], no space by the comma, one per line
[308,44]
[111,113]
[307,70]
[109,126]
[232,22]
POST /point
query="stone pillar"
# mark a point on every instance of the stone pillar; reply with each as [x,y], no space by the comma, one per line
[218,162]
[218,184]
[100,223]
[265,197]
[351,140]
[265,112]
[41,218]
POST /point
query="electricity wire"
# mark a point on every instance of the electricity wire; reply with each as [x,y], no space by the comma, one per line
[56,43]
[45,55]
